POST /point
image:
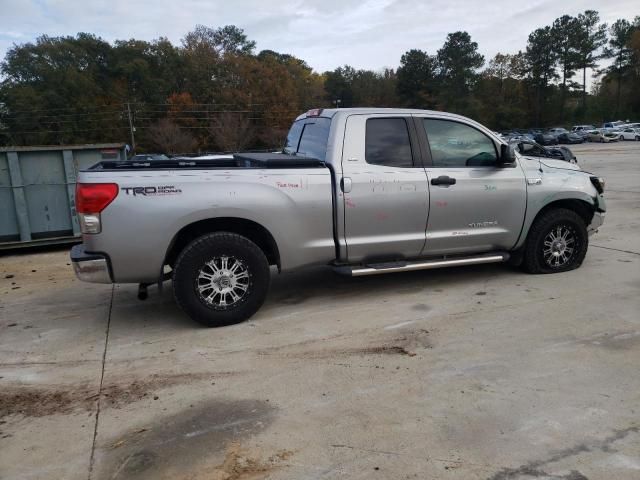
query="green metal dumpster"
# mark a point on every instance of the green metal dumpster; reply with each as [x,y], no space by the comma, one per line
[37,191]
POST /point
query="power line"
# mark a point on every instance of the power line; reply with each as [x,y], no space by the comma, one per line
[33,110]
[37,120]
[9,132]
[111,112]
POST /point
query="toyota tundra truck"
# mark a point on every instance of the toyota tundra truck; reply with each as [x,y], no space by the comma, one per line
[364,190]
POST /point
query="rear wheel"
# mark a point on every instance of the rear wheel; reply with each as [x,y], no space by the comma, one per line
[557,242]
[221,279]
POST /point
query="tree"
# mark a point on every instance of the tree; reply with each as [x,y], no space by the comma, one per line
[232,131]
[75,89]
[67,81]
[542,58]
[308,86]
[170,138]
[618,49]
[208,52]
[565,35]
[219,41]
[458,61]
[500,92]
[338,86]
[417,84]
[592,37]
[374,89]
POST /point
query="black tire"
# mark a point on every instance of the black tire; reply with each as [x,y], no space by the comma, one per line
[546,226]
[208,253]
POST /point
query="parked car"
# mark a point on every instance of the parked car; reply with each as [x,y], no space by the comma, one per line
[608,126]
[630,134]
[545,138]
[353,189]
[557,131]
[533,149]
[582,128]
[570,138]
[602,136]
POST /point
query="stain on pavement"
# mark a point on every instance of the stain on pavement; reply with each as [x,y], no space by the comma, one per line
[199,442]
[534,469]
[41,401]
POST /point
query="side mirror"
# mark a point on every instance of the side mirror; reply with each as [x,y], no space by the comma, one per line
[507,154]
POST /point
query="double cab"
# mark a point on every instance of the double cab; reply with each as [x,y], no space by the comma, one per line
[364,190]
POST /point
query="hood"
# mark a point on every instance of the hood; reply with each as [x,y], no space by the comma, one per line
[561,164]
[538,162]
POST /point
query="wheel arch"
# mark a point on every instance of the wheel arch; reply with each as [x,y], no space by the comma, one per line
[255,232]
[583,207]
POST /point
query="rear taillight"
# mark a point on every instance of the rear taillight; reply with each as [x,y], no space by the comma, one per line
[94,197]
[91,199]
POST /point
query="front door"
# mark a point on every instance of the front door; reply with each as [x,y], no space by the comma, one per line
[476,205]
[383,189]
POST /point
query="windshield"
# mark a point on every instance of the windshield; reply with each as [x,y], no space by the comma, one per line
[308,138]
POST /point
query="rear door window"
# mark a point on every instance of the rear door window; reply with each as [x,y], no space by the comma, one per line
[388,142]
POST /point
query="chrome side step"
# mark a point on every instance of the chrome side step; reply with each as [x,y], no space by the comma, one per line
[392,267]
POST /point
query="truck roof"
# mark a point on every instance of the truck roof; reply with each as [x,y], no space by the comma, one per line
[331,112]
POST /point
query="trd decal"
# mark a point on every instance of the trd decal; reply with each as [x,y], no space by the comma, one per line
[151,191]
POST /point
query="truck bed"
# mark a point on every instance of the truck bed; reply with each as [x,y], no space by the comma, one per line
[239,160]
[290,197]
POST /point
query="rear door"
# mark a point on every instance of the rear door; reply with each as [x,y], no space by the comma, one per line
[383,188]
[476,205]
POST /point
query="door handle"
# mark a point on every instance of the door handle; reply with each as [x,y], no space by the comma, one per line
[345,184]
[443,180]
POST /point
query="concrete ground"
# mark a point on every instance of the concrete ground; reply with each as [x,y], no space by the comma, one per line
[470,373]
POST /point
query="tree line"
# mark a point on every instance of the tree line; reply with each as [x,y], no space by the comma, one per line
[213,92]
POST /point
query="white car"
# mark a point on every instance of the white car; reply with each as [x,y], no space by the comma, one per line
[630,134]
[582,128]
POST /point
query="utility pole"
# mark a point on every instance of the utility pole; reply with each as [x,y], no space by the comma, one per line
[131,128]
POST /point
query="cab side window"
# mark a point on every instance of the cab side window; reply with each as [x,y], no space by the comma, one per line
[455,145]
[387,142]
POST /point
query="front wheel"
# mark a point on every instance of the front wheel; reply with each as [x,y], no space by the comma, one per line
[221,279]
[557,242]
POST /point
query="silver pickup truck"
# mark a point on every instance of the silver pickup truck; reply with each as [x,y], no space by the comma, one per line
[365,190]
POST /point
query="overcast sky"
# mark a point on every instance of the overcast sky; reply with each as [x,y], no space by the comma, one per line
[368,34]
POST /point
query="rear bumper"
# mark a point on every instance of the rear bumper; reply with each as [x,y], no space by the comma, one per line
[596,222]
[90,267]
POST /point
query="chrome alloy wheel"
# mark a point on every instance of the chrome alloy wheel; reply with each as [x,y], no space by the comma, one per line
[223,282]
[559,245]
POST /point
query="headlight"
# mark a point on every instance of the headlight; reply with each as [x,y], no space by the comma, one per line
[598,182]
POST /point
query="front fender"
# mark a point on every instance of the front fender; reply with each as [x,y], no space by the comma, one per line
[557,187]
